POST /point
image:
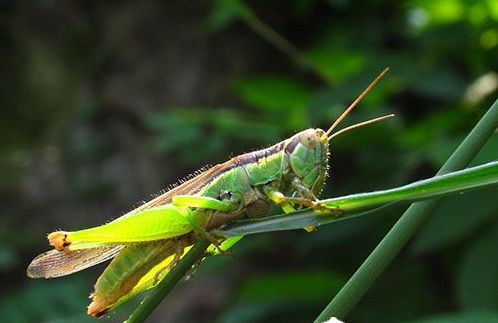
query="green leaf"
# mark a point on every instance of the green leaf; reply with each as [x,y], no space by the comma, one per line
[440,12]
[477,277]
[364,203]
[470,178]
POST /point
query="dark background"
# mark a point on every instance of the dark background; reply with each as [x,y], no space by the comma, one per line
[104,103]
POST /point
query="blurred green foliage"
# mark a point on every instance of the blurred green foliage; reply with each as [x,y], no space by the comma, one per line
[104,103]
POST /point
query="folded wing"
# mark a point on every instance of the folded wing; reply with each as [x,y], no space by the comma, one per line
[55,263]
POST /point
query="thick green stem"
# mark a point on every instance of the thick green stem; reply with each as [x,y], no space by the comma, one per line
[166,285]
[407,225]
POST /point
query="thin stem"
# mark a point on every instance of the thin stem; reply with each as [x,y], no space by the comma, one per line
[166,285]
[356,205]
[286,47]
[407,225]
[281,43]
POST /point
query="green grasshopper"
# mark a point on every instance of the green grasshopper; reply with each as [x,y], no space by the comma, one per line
[148,241]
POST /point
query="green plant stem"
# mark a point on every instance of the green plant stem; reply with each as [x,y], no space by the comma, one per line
[408,224]
[365,203]
[446,184]
[166,285]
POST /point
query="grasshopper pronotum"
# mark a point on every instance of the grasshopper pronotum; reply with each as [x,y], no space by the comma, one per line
[146,242]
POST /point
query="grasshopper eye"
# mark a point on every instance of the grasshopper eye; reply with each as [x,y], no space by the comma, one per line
[309,138]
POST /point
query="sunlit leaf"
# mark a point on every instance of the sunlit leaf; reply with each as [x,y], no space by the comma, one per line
[442,11]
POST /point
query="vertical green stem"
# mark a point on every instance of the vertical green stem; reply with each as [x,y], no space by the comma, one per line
[407,225]
[166,285]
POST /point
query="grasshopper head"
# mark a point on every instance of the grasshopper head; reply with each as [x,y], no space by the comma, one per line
[308,153]
[308,150]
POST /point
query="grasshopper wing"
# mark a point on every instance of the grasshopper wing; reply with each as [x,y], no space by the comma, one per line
[55,263]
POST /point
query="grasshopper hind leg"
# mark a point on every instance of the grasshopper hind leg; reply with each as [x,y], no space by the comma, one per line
[216,208]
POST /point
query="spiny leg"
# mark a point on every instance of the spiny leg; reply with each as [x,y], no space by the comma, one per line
[303,190]
[286,203]
[309,199]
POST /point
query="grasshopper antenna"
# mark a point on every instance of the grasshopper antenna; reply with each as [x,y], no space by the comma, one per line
[359,125]
[353,105]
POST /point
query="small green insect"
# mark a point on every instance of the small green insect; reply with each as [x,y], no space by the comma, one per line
[148,241]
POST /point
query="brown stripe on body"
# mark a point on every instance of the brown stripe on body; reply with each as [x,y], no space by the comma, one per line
[197,183]
[255,156]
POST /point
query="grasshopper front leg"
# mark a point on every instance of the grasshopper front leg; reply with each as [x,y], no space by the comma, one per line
[287,202]
[306,199]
